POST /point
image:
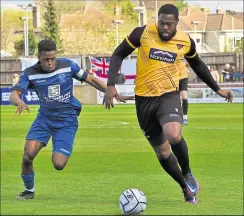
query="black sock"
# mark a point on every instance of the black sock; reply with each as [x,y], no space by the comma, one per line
[180,151]
[185,106]
[170,165]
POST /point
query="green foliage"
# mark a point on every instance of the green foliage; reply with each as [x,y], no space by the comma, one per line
[67,6]
[239,46]
[10,22]
[51,29]
[126,9]
[33,42]
[180,4]
[19,45]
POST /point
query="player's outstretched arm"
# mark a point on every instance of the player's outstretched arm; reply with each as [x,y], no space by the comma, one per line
[101,86]
[96,83]
[202,71]
[15,100]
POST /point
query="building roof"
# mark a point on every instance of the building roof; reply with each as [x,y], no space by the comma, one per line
[190,15]
[209,22]
[227,22]
[214,22]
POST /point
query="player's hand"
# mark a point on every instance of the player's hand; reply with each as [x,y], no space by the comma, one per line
[225,93]
[121,98]
[21,106]
[125,98]
[110,93]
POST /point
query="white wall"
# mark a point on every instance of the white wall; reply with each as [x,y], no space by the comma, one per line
[198,40]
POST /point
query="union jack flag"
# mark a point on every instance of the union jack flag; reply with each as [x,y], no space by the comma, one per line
[100,66]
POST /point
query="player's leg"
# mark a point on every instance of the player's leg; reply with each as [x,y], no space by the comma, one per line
[170,118]
[146,114]
[63,140]
[36,139]
[165,157]
[184,96]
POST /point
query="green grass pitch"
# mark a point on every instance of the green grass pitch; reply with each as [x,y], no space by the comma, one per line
[111,154]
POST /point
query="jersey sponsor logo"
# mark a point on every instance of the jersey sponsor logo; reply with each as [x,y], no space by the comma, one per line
[161,55]
[53,91]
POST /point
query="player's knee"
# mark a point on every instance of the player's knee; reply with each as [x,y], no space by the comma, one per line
[174,138]
[27,158]
[58,165]
[163,155]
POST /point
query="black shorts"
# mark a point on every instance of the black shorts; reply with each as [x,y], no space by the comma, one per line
[183,84]
[152,112]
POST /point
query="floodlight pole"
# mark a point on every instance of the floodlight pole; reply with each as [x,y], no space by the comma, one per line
[26,27]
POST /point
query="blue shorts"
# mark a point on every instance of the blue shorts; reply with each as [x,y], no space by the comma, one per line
[62,131]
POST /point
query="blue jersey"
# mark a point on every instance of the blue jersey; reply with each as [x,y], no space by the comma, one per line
[54,89]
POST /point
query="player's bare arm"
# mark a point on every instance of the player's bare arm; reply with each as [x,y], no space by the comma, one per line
[15,100]
[101,86]
[201,69]
[96,83]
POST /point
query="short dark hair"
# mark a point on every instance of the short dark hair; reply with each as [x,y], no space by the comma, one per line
[169,9]
[46,46]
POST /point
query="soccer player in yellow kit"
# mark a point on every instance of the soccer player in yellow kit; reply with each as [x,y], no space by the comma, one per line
[161,46]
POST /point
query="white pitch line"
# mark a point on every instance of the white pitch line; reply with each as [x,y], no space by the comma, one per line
[217,128]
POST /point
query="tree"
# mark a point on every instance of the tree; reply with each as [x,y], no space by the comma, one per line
[239,46]
[180,4]
[19,45]
[10,23]
[51,30]
[126,9]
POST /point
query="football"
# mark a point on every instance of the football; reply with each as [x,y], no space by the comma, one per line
[132,202]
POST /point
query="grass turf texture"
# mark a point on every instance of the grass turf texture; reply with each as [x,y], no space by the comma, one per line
[111,154]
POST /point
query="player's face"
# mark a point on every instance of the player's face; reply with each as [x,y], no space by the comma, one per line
[167,24]
[48,60]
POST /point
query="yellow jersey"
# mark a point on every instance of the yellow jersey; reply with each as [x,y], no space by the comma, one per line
[158,62]
[183,69]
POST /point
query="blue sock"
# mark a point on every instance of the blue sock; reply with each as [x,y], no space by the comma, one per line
[28,180]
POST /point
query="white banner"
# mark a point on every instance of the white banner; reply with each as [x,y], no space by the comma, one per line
[28,62]
[207,95]
[195,95]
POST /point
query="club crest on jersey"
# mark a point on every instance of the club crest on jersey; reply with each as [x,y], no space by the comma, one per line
[179,46]
[161,55]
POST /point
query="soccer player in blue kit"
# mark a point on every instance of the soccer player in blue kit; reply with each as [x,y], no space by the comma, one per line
[52,79]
